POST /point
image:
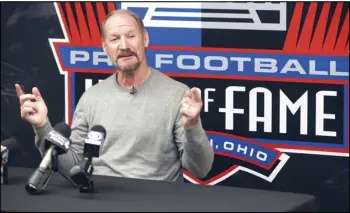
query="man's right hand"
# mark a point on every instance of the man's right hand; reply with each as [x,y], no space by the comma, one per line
[33,107]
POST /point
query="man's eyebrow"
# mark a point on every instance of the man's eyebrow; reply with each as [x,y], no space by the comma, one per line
[131,31]
[115,33]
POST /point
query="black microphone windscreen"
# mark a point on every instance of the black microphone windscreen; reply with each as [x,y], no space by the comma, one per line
[95,137]
[63,128]
[99,128]
[59,137]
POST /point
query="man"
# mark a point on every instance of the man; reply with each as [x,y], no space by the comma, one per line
[152,122]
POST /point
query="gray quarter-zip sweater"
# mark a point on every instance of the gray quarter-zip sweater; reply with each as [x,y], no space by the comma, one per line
[144,134]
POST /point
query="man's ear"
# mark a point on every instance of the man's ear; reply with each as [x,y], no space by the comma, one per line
[146,38]
[103,45]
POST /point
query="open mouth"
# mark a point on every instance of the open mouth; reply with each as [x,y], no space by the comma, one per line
[125,57]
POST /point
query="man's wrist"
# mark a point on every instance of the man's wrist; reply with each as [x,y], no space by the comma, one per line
[194,122]
[43,123]
[42,130]
[194,128]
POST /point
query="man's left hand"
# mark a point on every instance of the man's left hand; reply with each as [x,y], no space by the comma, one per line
[191,106]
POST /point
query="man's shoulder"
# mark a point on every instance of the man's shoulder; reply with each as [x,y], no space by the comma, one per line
[167,82]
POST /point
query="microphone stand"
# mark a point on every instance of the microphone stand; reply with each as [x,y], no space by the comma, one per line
[54,168]
[88,168]
[40,178]
[47,180]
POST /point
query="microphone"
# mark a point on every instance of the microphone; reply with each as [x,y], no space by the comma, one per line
[7,145]
[81,173]
[133,91]
[58,143]
[4,155]
[4,168]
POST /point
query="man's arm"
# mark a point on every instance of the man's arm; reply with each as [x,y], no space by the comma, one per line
[79,129]
[194,148]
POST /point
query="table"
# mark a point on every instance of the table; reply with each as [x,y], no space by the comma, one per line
[124,194]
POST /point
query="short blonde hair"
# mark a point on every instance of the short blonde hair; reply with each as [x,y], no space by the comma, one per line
[138,20]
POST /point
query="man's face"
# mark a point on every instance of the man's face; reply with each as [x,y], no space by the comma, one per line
[124,42]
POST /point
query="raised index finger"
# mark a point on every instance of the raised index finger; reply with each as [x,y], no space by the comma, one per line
[196,94]
[19,90]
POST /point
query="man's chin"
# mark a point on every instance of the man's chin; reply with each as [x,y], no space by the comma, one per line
[128,69]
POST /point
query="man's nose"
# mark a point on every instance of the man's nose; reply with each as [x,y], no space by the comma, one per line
[122,44]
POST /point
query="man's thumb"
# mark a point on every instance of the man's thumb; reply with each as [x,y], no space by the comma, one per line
[36,93]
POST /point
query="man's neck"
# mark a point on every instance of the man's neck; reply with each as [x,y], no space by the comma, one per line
[133,79]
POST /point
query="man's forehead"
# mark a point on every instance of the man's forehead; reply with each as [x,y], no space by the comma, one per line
[121,18]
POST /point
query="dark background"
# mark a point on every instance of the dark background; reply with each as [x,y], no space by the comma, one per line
[27,58]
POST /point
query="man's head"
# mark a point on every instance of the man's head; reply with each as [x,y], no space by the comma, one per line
[124,39]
